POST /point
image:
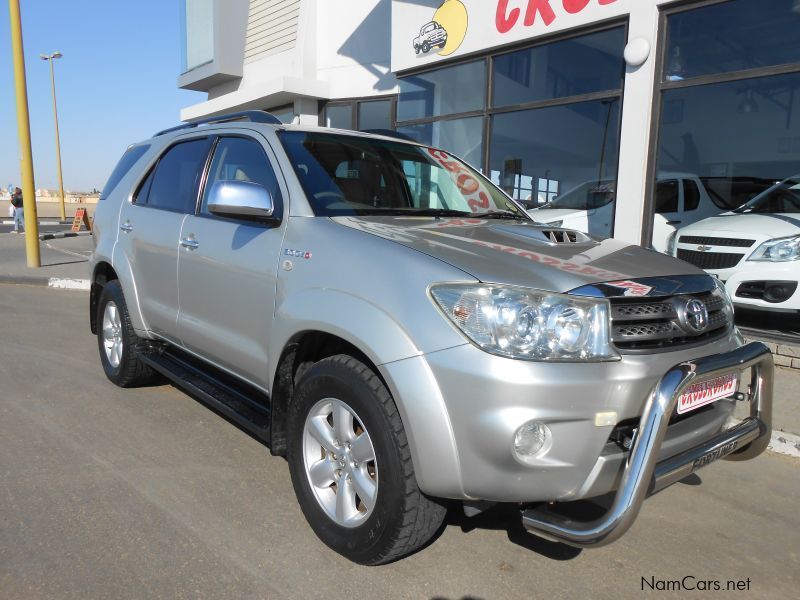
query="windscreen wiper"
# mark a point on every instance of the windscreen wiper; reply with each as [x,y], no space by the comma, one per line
[500,214]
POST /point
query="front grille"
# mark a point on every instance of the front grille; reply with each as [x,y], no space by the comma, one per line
[710,260]
[639,324]
[715,241]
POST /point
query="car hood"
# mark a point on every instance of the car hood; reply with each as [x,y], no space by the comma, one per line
[519,252]
[746,225]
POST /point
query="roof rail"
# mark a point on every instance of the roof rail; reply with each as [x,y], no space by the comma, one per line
[253,116]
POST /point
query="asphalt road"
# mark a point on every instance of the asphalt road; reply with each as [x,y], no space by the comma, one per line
[110,493]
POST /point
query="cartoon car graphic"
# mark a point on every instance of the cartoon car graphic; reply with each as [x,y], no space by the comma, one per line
[431,34]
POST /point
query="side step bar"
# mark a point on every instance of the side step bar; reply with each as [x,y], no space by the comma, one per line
[238,401]
[642,476]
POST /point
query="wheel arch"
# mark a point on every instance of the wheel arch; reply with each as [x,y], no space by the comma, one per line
[103,273]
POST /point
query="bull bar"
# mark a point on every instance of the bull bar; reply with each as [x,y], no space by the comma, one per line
[643,475]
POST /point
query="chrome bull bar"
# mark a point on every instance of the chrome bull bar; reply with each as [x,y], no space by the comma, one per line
[643,475]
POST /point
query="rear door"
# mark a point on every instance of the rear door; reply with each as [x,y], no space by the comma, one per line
[150,229]
[227,270]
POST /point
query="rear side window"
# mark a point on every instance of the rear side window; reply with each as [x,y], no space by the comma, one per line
[691,195]
[174,183]
[123,166]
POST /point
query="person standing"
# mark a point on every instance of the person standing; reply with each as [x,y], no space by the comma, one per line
[19,217]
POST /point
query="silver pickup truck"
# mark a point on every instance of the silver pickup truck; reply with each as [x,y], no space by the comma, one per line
[400,330]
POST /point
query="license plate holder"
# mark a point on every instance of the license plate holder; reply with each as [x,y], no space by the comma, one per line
[705,392]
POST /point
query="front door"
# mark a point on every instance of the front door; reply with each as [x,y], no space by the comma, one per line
[227,269]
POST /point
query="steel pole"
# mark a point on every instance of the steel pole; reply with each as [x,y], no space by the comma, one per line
[24,130]
[58,141]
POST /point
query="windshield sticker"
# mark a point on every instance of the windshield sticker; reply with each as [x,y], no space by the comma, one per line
[475,193]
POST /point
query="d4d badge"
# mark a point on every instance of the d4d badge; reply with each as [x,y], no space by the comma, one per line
[297,253]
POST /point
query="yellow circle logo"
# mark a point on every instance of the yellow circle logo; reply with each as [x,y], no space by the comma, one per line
[452,15]
[446,31]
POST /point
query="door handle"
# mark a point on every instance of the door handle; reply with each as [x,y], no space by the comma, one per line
[190,243]
[126,227]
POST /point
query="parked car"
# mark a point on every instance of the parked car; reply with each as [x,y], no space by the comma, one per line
[384,317]
[754,250]
[680,198]
[431,35]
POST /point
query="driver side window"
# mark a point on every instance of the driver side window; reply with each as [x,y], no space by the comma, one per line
[240,159]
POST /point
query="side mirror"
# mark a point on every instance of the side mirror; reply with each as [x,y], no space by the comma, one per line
[240,200]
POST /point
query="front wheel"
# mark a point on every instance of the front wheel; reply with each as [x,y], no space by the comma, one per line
[426,47]
[351,465]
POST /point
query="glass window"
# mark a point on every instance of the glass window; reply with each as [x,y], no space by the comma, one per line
[783,197]
[197,32]
[375,114]
[667,196]
[240,159]
[443,92]
[581,65]
[339,116]
[462,137]
[347,175]
[571,157]
[691,195]
[123,166]
[738,138]
[177,176]
[732,36]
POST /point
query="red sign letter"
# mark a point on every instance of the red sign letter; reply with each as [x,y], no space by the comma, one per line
[576,6]
[543,8]
[607,1]
[505,23]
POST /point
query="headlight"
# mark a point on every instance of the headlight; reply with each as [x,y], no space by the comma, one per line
[528,324]
[778,250]
[722,291]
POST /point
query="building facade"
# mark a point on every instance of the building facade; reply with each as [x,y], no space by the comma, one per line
[644,115]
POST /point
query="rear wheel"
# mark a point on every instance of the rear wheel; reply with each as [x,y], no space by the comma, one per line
[351,465]
[116,340]
[426,47]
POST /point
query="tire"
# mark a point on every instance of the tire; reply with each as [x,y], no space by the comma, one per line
[426,47]
[116,340]
[416,49]
[394,518]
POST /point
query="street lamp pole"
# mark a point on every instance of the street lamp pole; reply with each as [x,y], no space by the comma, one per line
[24,128]
[50,58]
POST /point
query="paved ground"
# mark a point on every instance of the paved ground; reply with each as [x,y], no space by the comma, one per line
[64,258]
[109,493]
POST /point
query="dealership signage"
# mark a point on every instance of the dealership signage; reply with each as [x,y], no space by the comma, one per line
[428,31]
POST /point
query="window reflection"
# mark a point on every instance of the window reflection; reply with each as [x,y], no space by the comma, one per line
[732,36]
[445,91]
[566,167]
[590,63]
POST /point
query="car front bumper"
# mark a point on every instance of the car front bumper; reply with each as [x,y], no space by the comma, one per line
[461,408]
[643,473]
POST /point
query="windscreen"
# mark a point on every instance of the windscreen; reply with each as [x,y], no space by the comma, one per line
[781,198]
[349,175]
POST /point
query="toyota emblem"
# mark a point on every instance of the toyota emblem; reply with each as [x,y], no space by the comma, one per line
[697,315]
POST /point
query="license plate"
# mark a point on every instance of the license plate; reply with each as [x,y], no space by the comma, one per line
[706,392]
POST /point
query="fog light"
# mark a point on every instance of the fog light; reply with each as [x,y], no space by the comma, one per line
[530,440]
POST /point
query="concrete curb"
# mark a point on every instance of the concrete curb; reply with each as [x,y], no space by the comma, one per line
[785,443]
[62,283]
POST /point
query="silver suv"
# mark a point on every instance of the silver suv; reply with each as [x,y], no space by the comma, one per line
[405,334]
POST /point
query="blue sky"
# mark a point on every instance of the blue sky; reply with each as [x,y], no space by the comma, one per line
[116,84]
